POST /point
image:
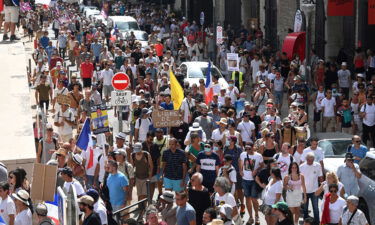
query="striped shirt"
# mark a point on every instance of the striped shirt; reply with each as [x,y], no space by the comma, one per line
[174,162]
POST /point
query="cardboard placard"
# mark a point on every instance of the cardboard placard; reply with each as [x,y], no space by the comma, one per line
[166,118]
[43,182]
[63,99]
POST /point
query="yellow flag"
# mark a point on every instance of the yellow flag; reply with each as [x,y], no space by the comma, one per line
[177,93]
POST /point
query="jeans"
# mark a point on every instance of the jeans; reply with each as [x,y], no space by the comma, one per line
[314,201]
[62,52]
[368,134]
[90,181]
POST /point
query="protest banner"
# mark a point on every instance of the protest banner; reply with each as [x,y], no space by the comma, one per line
[63,99]
[99,120]
[43,182]
[166,118]
[233,62]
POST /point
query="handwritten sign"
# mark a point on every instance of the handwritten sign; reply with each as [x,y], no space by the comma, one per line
[166,118]
[63,99]
[43,182]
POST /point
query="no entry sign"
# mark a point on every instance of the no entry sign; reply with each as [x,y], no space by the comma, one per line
[120,81]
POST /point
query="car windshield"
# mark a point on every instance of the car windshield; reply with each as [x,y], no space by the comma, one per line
[334,148]
[200,72]
[141,36]
[367,166]
[125,26]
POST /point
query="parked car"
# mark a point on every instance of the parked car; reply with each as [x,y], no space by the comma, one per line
[91,13]
[334,146]
[123,23]
[367,186]
[84,8]
[196,70]
[141,36]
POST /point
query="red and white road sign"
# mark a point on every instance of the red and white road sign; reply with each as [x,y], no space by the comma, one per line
[120,81]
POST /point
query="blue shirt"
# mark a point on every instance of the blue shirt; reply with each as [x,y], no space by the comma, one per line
[208,165]
[116,184]
[44,41]
[239,105]
[96,48]
[62,39]
[361,152]
[185,214]
[49,51]
[166,106]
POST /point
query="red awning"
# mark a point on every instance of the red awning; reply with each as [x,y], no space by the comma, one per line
[294,43]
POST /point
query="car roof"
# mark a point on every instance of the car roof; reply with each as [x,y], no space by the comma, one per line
[198,63]
[333,136]
[123,19]
[370,154]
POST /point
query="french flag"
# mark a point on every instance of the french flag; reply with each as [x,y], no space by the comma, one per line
[53,209]
[2,222]
[85,142]
[209,91]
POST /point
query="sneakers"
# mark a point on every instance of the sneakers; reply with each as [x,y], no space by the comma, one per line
[14,38]
[5,37]
[242,210]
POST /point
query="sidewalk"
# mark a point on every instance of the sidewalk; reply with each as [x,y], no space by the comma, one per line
[17,137]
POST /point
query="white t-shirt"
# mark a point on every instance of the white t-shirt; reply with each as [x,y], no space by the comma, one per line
[271,191]
[318,153]
[233,94]
[99,208]
[86,155]
[107,76]
[255,67]
[59,117]
[271,76]
[297,157]
[7,207]
[336,209]
[250,163]
[24,218]
[311,173]
[269,118]
[246,129]
[232,177]
[329,107]
[102,161]
[283,163]
[186,107]
[77,185]
[228,198]
[369,119]
[262,75]
[217,135]
[143,129]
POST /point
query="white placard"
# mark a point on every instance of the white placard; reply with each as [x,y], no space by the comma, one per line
[121,98]
[219,35]
[298,20]
[233,62]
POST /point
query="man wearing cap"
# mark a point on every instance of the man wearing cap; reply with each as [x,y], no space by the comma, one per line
[219,134]
[344,77]
[99,205]
[348,174]
[167,207]
[86,205]
[142,125]
[143,166]
[67,176]
[353,215]
[41,212]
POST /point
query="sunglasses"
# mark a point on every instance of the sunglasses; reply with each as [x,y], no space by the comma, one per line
[333,191]
[357,141]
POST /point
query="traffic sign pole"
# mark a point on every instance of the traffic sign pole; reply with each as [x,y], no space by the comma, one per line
[120,81]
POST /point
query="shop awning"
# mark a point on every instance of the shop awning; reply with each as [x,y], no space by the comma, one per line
[294,43]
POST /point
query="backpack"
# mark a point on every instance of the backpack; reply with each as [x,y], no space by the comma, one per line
[145,154]
[150,128]
[54,142]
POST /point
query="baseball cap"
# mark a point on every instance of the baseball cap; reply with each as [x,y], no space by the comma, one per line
[86,199]
[282,206]
[137,147]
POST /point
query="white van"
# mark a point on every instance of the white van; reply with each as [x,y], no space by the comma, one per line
[123,23]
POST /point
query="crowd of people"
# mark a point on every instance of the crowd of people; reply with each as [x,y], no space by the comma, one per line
[240,153]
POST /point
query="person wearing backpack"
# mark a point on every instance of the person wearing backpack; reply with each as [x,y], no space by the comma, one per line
[229,172]
[47,145]
[284,159]
[143,166]
[142,126]
[41,212]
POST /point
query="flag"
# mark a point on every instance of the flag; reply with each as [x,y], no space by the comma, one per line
[85,142]
[177,93]
[53,209]
[209,92]
[340,8]
[371,12]
[2,222]
[104,14]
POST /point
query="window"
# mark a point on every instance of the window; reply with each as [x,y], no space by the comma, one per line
[200,72]
[334,148]
[125,26]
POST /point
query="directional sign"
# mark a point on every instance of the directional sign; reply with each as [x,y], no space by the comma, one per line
[120,81]
[219,35]
[121,98]
[201,18]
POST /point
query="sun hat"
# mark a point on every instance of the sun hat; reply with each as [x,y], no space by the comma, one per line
[22,196]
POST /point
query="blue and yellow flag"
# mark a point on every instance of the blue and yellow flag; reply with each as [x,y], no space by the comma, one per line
[177,93]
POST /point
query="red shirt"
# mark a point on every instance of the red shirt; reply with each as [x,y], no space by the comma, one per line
[159,49]
[53,62]
[87,70]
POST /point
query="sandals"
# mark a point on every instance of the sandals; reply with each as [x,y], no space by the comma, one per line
[250,221]
[257,222]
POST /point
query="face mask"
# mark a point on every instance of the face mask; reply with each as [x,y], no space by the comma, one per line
[242,99]
[227,142]
[207,149]
[216,148]
[230,85]
[98,68]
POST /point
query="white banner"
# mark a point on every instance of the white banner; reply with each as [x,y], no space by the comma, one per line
[42,2]
[233,62]
[298,21]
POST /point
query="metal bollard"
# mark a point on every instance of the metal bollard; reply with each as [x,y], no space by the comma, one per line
[149,197]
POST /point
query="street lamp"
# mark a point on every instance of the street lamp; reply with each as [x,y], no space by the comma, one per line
[308,10]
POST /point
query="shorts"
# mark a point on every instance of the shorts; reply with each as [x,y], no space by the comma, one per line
[141,185]
[294,198]
[250,188]
[317,115]
[11,14]
[107,89]
[278,97]
[174,185]
[86,82]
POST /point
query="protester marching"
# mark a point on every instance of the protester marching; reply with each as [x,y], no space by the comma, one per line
[138,106]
